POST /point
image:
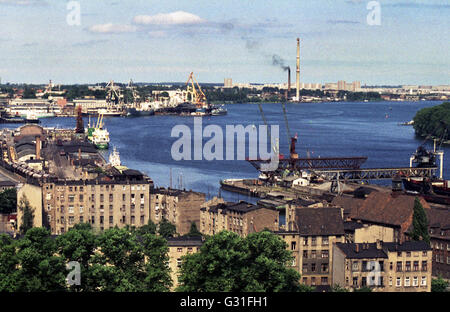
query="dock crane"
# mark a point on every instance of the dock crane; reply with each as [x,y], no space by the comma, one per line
[196,93]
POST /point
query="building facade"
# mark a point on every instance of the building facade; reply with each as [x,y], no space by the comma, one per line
[383,267]
[241,218]
[310,236]
[180,207]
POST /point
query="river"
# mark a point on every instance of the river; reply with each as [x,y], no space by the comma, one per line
[336,129]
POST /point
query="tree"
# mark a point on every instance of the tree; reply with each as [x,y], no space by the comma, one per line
[39,268]
[420,223]
[158,273]
[363,289]
[8,263]
[149,228]
[27,215]
[166,229]
[194,231]
[227,262]
[439,284]
[78,244]
[8,201]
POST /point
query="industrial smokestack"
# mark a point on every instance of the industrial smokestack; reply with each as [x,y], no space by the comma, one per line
[38,148]
[298,70]
[288,89]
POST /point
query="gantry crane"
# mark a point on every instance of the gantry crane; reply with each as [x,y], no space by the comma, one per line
[197,95]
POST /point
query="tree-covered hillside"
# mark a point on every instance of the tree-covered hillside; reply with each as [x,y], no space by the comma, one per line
[433,121]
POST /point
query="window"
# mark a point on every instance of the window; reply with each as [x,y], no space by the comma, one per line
[110,208]
[111,219]
[408,266]
[313,241]
[324,253]
[313,254]
[390,281]
[124,197]
[355,266]
[101,198]
[178,262]
[81,219]
[424,254]
[305,268]
[70,209]
[399,282]
[142,220]
[408,254]
[363,281]
[132,219]
[101,219]
[415,281]
[313,267]
[407,281]
[81,197]
[313,281]
[179,249]
[324,281]
[305,241]
[416,266]
[293,245]
[399,266]
[305,254]
[71,198]
[424,266]
[71,220]
[325,241]
[355,282]
[324,267]
[111,197]
[423,281]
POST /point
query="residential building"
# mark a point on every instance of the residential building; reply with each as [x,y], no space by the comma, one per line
[241,218]
[180,207]
[310,236]
[120,200]
[179,247]
[384,267]
[439,229]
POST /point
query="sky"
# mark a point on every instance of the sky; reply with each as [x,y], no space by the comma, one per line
[163,41]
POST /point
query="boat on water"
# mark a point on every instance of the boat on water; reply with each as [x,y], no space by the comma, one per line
[98,134]
[17,119]
[219,110]
[139,112]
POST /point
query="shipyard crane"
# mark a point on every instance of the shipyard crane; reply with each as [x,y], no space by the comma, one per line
[112,93]
[196,93]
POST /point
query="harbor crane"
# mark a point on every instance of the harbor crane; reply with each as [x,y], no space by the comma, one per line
[196,93]
[113,95]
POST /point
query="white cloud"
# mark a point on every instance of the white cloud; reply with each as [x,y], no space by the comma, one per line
[112,28]
[174,18]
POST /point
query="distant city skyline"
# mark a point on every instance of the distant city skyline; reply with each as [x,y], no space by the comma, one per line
[156,41]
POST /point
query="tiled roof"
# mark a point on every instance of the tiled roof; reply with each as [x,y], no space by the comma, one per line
[387,208]
[407,246]
[319,221]
[350,204]
[185,241]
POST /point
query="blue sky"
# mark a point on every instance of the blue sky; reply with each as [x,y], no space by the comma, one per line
[156,41]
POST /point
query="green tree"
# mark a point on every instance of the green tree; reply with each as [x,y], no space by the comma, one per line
[78,244]
[227,262]
[39,268]
[29,93]
[149,228]
[363,289]
[27,215]
[8,201]
[420,223]
[439,284]
[166,229]
[118,264]
[193,231]
[156,251]
[8,263]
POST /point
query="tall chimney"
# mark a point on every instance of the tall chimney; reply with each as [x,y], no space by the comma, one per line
[38,147]
[289,81]
[298,70]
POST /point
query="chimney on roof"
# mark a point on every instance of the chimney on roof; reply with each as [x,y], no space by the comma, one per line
[356,247]
[38,147]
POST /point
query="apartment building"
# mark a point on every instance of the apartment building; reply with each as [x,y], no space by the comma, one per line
[241,218]
[311,234]
[104,203]
[439,229]
[179,247]
[383,267]
[180,207]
